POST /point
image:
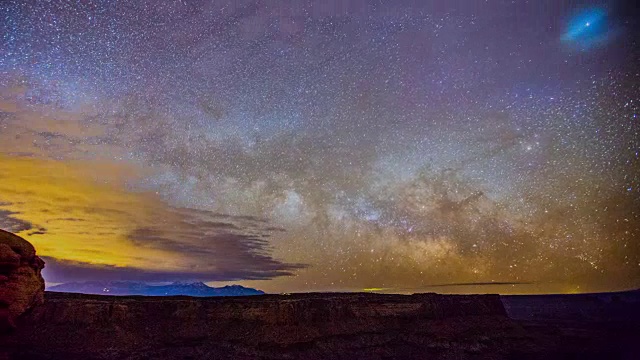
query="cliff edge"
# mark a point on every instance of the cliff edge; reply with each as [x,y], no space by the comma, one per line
[309,326]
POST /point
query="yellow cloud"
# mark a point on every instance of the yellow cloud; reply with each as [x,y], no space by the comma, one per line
[85,210]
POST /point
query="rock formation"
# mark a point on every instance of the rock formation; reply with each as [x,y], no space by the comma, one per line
[21,282]
[296,326]
[304,326]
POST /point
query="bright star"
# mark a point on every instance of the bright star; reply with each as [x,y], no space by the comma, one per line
[587,29]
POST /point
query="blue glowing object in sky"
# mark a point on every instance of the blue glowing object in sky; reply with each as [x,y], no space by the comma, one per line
[587,29]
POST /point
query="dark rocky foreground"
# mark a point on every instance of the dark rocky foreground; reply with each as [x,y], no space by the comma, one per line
[313,326]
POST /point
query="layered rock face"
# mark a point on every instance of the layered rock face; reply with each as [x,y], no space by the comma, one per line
[304,326]
[21,282]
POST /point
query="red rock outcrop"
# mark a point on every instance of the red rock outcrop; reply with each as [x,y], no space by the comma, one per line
[21,282]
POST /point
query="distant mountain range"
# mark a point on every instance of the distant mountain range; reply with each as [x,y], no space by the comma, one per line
[141,288]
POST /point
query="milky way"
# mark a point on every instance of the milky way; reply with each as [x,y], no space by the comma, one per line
[325,145]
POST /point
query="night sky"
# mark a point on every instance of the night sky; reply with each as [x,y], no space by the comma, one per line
[403,146]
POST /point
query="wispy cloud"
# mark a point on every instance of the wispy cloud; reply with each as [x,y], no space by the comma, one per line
[9,221]
[477,284]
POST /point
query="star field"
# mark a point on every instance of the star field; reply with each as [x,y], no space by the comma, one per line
[325,145]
